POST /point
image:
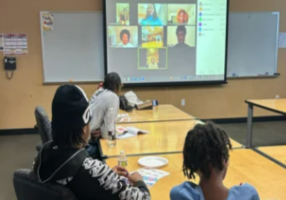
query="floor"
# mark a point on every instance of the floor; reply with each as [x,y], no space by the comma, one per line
[264,133]
[15,152]
[19,151]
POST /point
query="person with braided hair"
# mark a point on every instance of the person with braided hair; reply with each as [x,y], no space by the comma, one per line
[206,153]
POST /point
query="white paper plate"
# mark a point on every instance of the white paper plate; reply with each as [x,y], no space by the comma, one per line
[153,161]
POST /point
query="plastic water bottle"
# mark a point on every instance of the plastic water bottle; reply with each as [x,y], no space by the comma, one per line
[111,139]
[122,160]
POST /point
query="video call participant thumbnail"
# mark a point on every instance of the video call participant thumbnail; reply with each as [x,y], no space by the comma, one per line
[152,58]
[124,37]
[182,14]
[152,36]
[181,33]
[153,64]
[122,13]
[152,14]
[182,50]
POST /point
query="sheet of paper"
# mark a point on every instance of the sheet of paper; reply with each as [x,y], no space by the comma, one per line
[153,173]
[120,129]
[1,42]
[9,44]
[124,117]
[125,135]
[151,176]
[24,42]
[47,21]
[130,131]
[282,40]
[21,44]
[15,44]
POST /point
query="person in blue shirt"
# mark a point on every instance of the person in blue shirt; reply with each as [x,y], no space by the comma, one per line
[206,153]
[151,17]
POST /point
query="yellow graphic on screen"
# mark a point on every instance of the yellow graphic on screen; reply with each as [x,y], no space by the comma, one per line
[152,58]
[152,36]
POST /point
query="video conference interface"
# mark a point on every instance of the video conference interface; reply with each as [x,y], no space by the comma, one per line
[156,42]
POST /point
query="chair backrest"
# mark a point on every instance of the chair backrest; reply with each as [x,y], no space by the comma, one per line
[44,124]
[27,187]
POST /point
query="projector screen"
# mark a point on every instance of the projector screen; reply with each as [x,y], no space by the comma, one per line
[166,42]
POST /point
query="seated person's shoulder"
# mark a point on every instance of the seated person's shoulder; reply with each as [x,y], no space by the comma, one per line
[107,94]
[186,191]
[246,190]
[111,95]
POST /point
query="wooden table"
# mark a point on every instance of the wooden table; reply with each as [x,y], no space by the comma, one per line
[275,153]
[164,137]
[274,105]
[246,166]
[159,113]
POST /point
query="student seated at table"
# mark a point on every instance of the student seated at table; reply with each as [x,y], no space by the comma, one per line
[64,160]
[206,153]
[104,106]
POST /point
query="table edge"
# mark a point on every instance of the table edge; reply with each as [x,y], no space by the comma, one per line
[265,107]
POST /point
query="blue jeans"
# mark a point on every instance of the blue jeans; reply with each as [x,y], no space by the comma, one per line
[93,149]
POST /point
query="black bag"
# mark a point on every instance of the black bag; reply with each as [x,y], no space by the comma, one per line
[124,104]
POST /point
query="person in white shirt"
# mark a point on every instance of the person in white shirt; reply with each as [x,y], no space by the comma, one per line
[153,64]
[104,105]
[125,39]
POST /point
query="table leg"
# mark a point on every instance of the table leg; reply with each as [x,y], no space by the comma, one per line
[249,127]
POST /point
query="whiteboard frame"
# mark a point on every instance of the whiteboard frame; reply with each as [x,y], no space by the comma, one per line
[277,42]
[97,81]
[45,82]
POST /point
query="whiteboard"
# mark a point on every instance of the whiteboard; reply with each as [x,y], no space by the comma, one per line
[252,44]
[73,49]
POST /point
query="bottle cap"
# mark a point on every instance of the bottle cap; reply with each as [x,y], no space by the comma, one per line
[122,152]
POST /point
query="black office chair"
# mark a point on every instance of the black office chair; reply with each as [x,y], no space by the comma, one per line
[27,187]
[43,125]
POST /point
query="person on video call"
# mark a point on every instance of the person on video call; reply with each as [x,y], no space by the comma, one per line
[151,17]
[182,16]
[125,39]
[122,18]
[181,36]
[153,64]
[182,56]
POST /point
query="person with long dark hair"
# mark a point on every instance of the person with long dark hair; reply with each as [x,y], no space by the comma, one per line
[151,17]
[182,16]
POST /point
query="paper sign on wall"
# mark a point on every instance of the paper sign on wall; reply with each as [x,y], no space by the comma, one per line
[1,42]
[282,40]
[21,44]
[15,44]
[47,21]
[9,44]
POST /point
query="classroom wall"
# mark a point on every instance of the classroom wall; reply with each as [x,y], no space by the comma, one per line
[20,96]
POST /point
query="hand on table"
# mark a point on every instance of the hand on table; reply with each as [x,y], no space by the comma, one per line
[96,134]
[121,171]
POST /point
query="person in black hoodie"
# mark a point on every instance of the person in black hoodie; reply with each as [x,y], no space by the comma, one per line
[64,160]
